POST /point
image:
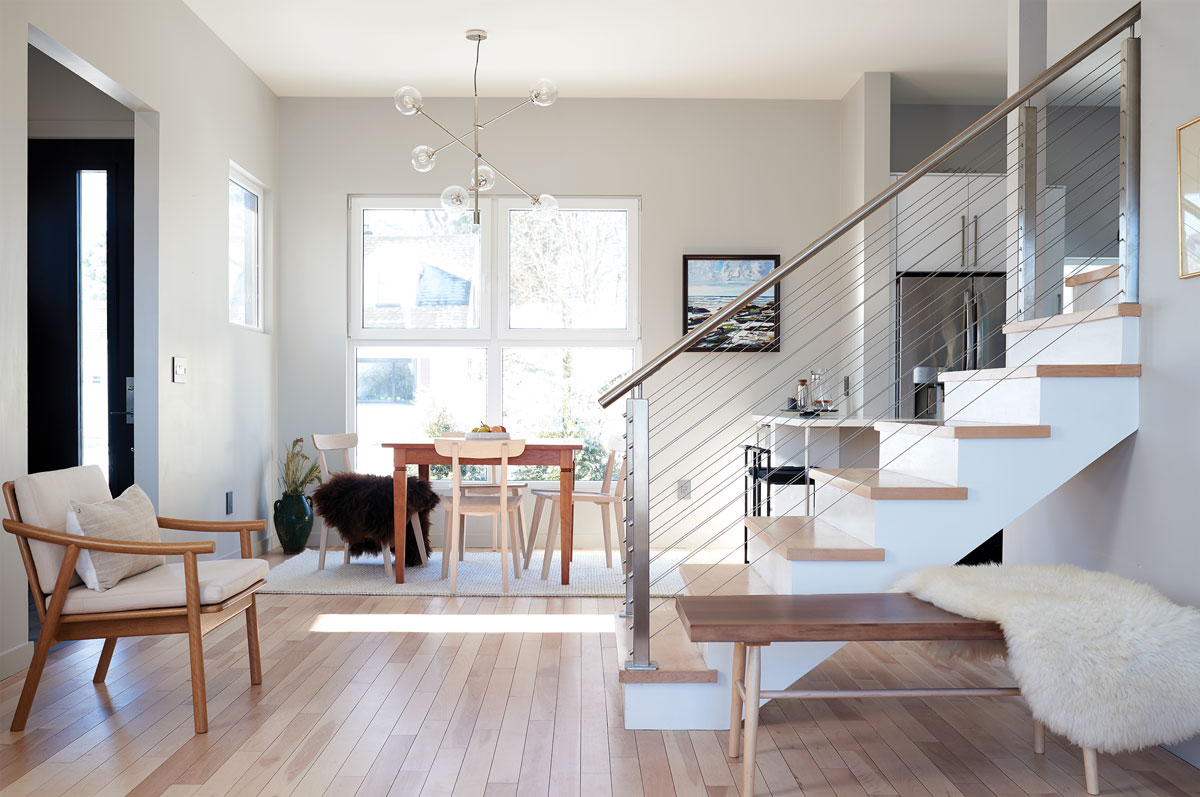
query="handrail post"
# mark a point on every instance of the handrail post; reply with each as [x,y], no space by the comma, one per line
[637,525]
[1027,193]
[1131,169]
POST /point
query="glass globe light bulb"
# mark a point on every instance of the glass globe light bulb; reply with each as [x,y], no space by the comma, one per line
[408,100]
[424,158]
[487,177]
[545,206]
[543,92]
[456,199]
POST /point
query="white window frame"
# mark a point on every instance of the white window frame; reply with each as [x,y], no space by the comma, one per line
[243,179]
[495,333]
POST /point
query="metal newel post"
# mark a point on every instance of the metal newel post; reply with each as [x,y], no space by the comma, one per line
[637,519]
[1027,148]
[1131,169]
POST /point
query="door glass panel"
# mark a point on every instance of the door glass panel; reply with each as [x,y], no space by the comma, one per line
[405,393]
[93,318]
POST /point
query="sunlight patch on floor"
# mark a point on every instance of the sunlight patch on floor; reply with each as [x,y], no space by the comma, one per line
[464,623]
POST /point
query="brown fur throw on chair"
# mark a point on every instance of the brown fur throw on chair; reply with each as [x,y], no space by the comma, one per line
[360,507]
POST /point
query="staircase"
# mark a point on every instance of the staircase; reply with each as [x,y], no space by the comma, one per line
[927,492]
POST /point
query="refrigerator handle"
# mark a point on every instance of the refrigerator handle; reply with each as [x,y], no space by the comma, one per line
[968,331]
[978,325]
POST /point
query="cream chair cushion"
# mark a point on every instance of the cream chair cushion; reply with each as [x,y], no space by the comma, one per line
[130,518]
[220,580]
[43,498]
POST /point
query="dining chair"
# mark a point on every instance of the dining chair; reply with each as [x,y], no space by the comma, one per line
[462,451]
[609,498]
[515,489]
[326,444]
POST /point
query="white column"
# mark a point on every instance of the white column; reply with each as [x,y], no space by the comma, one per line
[1026,60]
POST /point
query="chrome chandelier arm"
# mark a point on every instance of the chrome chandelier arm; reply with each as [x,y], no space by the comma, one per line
[519,105]
[514,183]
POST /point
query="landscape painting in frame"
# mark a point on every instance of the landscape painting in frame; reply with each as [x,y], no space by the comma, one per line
[712,281]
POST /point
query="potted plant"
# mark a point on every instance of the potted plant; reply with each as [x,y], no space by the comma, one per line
[293,512]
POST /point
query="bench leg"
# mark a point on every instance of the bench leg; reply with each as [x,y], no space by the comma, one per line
[1091,770]
[735,700]
[1039,738]
[750,744]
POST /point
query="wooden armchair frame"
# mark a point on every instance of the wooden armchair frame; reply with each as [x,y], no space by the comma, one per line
[194,619]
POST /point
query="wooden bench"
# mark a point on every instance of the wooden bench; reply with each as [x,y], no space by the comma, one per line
[752,622]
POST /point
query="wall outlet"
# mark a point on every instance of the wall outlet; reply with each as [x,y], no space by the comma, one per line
[229,503]
[683,490]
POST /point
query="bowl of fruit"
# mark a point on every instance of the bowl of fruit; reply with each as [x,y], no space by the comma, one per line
[485,432]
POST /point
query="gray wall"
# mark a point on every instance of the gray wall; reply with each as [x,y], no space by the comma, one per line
[1081,155]
[1133,512]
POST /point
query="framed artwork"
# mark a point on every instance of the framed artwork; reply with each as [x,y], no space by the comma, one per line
[1187,143]
[712,281]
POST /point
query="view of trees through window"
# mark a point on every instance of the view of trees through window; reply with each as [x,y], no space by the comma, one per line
[527,333]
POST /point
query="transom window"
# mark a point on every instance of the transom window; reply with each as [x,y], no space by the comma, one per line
[521,321]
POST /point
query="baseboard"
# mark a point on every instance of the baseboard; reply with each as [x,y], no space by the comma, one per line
[15,659]
[1189,751]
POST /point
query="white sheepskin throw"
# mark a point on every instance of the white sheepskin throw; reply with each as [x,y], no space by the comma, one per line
[1102,660]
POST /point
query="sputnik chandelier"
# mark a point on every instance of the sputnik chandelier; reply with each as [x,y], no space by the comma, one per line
[457,199]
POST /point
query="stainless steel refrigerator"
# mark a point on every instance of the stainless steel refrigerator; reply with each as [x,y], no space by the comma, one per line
[946,323]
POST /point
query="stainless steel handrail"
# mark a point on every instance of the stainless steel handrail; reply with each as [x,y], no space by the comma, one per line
[1061,67]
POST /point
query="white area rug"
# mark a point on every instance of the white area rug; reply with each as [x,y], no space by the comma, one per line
[478,574]
[1105,661]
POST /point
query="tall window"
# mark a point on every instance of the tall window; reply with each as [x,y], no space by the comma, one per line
[245,250]
[521,322]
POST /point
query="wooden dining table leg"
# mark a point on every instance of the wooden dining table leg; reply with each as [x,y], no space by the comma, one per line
[566,515]
[400,508]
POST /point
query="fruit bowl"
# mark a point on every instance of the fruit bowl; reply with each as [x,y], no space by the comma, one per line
[488,436]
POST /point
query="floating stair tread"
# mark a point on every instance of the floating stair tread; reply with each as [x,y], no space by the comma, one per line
[1042,372]
[965,430]
[1130,309]
[887,485]
[801,538]
[1095,275]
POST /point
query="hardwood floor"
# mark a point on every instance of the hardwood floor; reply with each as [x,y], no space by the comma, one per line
[384,710]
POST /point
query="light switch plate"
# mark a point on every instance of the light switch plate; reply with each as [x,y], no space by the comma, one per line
[179,369]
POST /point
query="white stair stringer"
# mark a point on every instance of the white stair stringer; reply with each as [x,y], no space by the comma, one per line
[1005,477]
[1098,342]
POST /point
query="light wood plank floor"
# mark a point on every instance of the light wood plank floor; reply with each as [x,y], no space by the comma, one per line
[447,710]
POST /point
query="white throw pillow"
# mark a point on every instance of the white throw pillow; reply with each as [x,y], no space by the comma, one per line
[129,518]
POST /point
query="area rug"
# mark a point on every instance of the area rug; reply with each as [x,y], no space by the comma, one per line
[478,574]
[1104,661]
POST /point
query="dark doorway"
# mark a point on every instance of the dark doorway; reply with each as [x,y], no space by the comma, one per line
[81,306]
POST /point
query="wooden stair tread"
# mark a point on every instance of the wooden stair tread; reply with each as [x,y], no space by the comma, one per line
[1095,275]
[887,485]
[800,538]
[965,430]
[1123,309]
[1042,372]
[877,617]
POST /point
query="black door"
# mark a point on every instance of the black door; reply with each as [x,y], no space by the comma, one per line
[81,306]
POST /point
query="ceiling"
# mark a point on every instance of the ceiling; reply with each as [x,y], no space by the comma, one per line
[950,51]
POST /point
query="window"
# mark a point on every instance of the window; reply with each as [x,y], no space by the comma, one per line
[245,250]
[521,321]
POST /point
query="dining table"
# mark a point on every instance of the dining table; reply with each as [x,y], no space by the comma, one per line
[539,451]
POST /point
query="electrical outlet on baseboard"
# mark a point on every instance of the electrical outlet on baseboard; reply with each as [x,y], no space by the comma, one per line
[683,490]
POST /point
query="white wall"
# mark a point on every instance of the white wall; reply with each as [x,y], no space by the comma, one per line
[713,176]
[63,105]
[1133,512]
[199,107]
